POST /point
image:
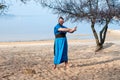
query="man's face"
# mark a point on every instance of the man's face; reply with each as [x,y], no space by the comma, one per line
[61,21]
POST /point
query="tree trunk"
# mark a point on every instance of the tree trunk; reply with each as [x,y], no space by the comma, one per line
[96,37]
[102,35]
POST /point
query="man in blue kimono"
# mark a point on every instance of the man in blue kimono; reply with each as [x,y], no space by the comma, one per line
[60,43]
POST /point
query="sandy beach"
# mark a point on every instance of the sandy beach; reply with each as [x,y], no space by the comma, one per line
[34,60]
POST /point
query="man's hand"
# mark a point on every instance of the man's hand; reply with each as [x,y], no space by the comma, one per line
[73,30]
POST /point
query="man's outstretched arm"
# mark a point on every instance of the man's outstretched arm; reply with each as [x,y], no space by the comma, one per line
[67,29]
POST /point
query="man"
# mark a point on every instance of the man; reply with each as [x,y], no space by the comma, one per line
[60,43]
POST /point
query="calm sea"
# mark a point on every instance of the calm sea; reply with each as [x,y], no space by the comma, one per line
[27,28]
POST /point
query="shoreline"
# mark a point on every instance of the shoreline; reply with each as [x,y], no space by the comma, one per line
[51,43]
[112,35]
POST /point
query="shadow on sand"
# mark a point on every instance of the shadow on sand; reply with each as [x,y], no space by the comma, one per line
[107,45]
[95,63]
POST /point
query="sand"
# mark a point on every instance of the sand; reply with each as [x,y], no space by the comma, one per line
[34,61]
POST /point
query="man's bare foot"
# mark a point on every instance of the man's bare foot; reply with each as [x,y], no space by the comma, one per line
[55,66]
[66,65]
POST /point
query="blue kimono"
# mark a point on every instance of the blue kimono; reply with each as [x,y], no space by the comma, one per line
[60,46]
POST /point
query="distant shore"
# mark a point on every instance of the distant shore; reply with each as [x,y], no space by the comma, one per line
[112,35]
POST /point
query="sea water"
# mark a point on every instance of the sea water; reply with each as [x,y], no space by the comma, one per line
[41,27]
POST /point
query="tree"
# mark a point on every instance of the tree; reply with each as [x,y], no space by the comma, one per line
[100,12]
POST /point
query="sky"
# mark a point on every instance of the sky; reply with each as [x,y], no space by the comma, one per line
[28,22]
[32,22]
